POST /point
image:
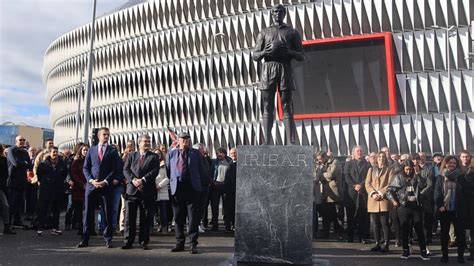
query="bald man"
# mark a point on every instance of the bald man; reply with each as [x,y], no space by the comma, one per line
[18,163]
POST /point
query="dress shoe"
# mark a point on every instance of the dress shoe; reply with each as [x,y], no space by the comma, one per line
[127,246]
[108,244]
[18,224]
[83,244]
[471,256]
[376,248]
[324,235]
[144,246]
[193,249]
[56,232]
[178,248]
[405,255]
[7,230]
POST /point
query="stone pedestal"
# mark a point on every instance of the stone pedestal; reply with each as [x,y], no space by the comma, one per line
[274,204]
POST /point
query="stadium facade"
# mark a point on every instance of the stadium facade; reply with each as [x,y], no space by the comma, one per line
[162,65]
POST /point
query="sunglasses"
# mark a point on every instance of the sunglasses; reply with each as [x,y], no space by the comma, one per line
[22,139]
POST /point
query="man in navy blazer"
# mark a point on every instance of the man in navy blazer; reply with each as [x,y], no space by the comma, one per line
[101,166]
[184,165]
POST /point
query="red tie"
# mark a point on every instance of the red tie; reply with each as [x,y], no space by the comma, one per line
[101,152]
[141,160]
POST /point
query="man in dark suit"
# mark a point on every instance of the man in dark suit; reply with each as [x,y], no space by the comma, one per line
[355,172]
[140,170]
[18,163]
[184,165]
[100,169]
[230,191]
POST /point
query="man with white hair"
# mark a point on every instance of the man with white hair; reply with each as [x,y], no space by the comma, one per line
[18,164]
[355,172]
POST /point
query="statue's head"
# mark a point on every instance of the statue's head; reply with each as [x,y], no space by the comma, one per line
[278,14]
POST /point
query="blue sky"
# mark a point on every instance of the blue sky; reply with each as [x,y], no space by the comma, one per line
[27,28]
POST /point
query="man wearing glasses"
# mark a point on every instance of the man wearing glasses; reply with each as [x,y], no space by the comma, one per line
[18,164]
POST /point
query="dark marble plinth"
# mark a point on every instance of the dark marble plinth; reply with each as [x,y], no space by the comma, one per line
[274,204]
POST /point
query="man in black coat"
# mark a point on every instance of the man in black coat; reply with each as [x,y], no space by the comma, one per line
[18,164]
[467,167]
[355,172]
[229,191]
[52,173]
[3,194]
[205,184]
[140,170]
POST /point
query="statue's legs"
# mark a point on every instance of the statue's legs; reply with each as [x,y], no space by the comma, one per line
[288,120]
[268,97]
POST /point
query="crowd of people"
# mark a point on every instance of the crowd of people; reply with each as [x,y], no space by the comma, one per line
[103,190]
[381,196]
[403,198]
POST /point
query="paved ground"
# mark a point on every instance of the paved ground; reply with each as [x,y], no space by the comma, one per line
[26,248]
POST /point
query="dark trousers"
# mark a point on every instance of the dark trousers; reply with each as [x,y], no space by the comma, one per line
[163,208]
[31,197]
[69,210]
[203,205]
[359,220]
[15,200]
[185,201]
[216,195]
[229,210]
[428,225]
[446,218]
[316,210]
[5,208]
[147,210]
[395,224]
[329,212]
[379,222]
[78,206]
[411,216]
[53,204]
[92,198]
[471,235]
[205,200]
[340,214]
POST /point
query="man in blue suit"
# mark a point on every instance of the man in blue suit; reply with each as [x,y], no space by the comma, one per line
[100,169]
[184,165]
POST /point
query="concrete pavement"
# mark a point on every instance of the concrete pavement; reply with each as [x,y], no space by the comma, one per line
[215,248]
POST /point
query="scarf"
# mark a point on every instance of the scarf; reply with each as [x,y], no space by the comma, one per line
[449,189]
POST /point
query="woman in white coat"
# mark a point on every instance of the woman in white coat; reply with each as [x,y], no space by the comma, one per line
[162,182]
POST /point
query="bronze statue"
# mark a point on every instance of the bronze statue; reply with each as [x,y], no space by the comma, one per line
[278,45]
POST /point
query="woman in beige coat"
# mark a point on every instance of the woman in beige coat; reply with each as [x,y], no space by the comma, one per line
[376,184]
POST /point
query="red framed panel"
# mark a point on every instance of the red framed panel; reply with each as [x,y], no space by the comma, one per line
[392,98]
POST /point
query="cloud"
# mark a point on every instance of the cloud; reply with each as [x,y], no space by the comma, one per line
[27,28]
